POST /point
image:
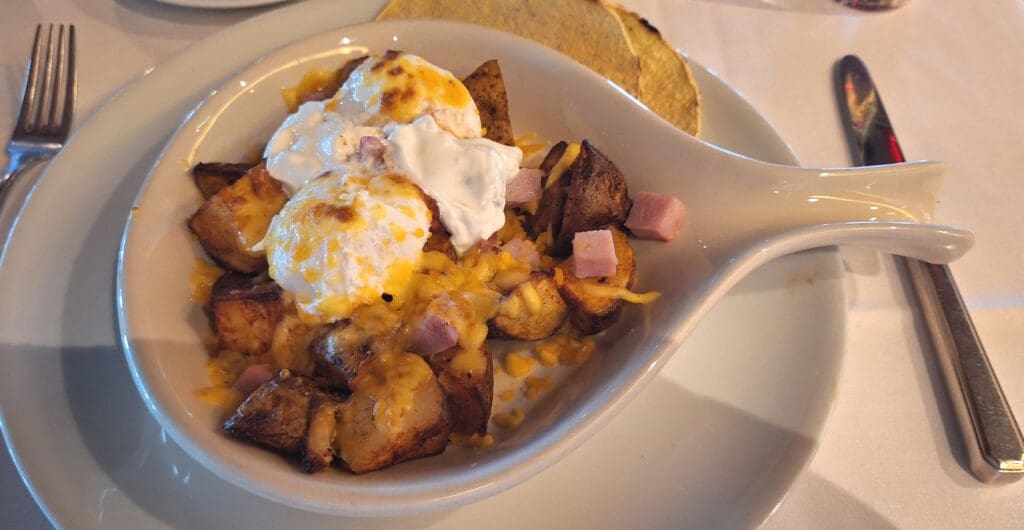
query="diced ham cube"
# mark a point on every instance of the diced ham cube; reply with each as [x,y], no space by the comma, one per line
[524,187]
[655,216]
[433,334]
[523,251]
[371,149]
[593,254]
[253,377]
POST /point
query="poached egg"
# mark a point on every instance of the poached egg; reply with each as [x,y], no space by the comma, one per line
[344,240]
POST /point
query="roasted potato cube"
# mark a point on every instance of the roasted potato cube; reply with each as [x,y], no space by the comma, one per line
[396,412]
[487,88]
[211,177]
[246,311]
[590,312]
[534,310]
[341,352]
[597,196]
[317,445]
[237,217]
[290,346]
[467,380]
[276,414]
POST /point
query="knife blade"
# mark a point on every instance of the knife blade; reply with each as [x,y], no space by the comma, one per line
[993,439]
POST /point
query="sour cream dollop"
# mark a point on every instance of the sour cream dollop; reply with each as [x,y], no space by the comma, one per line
[466,178]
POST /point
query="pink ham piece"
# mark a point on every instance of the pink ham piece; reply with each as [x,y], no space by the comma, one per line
[655,216]
[253,377]
[593,254]
[433,334]
[371,148]
[524,187]
[523,251]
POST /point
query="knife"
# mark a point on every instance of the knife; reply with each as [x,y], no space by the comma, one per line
[993,438]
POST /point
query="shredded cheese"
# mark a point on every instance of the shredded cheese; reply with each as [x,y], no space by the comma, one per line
[608,291]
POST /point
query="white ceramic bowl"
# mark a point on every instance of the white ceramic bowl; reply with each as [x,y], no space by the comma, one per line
[741,214]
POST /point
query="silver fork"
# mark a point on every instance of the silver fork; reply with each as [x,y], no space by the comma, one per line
[48,103]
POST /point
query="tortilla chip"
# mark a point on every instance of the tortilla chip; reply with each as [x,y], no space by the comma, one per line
[581,29]
[487,88]
[666,83]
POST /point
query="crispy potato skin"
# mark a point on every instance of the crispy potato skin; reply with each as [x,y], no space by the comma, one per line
[276,414]
[597,196]
[317,444]
[593,314]
[469,394]
[520,323]
[346,70]
[487,88]
[363,447]
[211,177]
[237,217]
[331,88]
[552,200]
[590,194]
[246,311]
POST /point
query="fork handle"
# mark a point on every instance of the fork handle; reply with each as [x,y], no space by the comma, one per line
[993,439]
[18,162]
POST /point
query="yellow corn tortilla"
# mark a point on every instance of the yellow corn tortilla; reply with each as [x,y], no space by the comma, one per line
[582,29]
[666,82]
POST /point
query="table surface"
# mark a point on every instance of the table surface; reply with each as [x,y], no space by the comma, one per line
[950,74]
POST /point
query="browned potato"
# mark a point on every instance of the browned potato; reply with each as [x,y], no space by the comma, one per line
[347,69]
[552,200]
[487,87]
[323,88]
[440,241]
[246,311]
[214,176]
[597,196]
[237,217]
[290,346]
[589,313]
[276,414]
[552,158]
[534,310]
[342,351]
[469,392]
[377,427]
[317,445]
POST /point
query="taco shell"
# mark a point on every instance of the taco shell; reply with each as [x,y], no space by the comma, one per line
[666,82]
[582,29]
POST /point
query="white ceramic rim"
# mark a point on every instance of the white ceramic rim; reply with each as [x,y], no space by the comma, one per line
[221,4]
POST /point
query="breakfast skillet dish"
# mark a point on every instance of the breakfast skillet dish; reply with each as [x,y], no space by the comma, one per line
[391,230]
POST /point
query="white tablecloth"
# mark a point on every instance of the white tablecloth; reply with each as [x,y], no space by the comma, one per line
[951,77]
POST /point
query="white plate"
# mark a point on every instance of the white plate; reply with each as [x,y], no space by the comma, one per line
[692,450]
[221,4]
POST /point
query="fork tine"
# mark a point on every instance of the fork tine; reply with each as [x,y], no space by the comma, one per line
[47,83]
[71,84]
[31,89]
[55,89]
